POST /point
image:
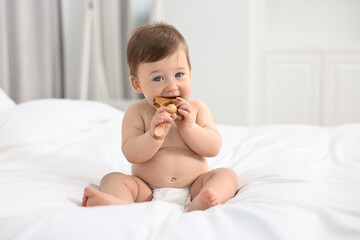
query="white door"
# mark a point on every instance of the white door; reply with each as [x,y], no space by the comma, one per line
[341,89]
[289,89]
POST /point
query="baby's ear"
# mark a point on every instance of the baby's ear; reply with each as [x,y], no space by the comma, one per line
[135,83]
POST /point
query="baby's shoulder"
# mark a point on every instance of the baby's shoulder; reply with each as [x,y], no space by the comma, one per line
[198,104]
[137,108]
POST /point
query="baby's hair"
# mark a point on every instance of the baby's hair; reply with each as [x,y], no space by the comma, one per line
[154,42]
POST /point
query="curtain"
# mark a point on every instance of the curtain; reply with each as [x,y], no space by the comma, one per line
[31,49]
[95,38]
[115,25]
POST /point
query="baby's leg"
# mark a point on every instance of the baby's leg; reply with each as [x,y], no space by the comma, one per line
[213,188]
[117,188]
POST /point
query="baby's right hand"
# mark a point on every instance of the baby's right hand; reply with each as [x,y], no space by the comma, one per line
[162,117]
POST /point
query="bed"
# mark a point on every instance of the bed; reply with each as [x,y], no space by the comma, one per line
[296,181]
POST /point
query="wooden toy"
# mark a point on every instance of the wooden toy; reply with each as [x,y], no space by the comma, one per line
[171,104]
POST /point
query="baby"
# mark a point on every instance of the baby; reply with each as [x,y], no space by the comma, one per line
[172,166]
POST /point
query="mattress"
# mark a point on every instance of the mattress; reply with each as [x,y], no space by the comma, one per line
[295,181]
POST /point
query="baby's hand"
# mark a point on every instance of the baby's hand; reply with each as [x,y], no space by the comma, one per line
[185,109]
[161,123]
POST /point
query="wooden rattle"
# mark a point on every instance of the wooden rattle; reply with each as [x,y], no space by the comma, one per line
[171,104]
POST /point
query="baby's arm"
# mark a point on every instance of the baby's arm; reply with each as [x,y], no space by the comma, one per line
[202,135]
[138,146]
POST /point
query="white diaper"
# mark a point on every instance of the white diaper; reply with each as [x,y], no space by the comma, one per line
[175,195]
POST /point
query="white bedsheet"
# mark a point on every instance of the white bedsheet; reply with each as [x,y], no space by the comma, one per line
[297,181]
[5,101]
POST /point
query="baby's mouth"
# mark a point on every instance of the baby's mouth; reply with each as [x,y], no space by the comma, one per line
[171,96]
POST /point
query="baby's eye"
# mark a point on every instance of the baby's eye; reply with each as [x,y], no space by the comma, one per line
[179,75]
[158,79]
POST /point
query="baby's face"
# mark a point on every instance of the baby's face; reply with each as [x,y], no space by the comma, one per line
[169,77]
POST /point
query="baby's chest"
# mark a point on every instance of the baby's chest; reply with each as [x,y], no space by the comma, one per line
[173,138]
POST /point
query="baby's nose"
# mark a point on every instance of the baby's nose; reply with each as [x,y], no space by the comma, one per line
[171,86]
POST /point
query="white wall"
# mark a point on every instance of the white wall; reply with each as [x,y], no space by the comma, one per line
[217,35]
[315,24]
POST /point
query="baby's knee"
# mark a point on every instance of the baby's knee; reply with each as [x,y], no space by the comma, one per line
[113,177]
[228,173]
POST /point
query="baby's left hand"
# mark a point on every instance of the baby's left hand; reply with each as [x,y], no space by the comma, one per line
[185,109]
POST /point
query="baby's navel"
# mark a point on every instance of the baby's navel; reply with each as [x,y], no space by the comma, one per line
[173,179]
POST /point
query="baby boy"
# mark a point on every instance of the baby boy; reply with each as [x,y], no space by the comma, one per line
[172,165]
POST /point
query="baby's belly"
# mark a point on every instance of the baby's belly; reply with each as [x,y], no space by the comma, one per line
[171,167]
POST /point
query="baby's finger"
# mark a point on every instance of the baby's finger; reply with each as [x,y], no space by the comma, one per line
[180,99]
[164,118]
[162,110]
[186,114]
[173,116]
[182,102]
[185,107]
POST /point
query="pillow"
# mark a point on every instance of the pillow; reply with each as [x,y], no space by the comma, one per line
[5,101]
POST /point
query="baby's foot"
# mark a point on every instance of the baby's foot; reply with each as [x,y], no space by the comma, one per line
[93,197]
[203,201]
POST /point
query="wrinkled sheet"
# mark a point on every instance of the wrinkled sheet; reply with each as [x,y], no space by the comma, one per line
[296,181]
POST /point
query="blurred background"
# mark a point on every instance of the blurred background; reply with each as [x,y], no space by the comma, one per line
[253,61]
